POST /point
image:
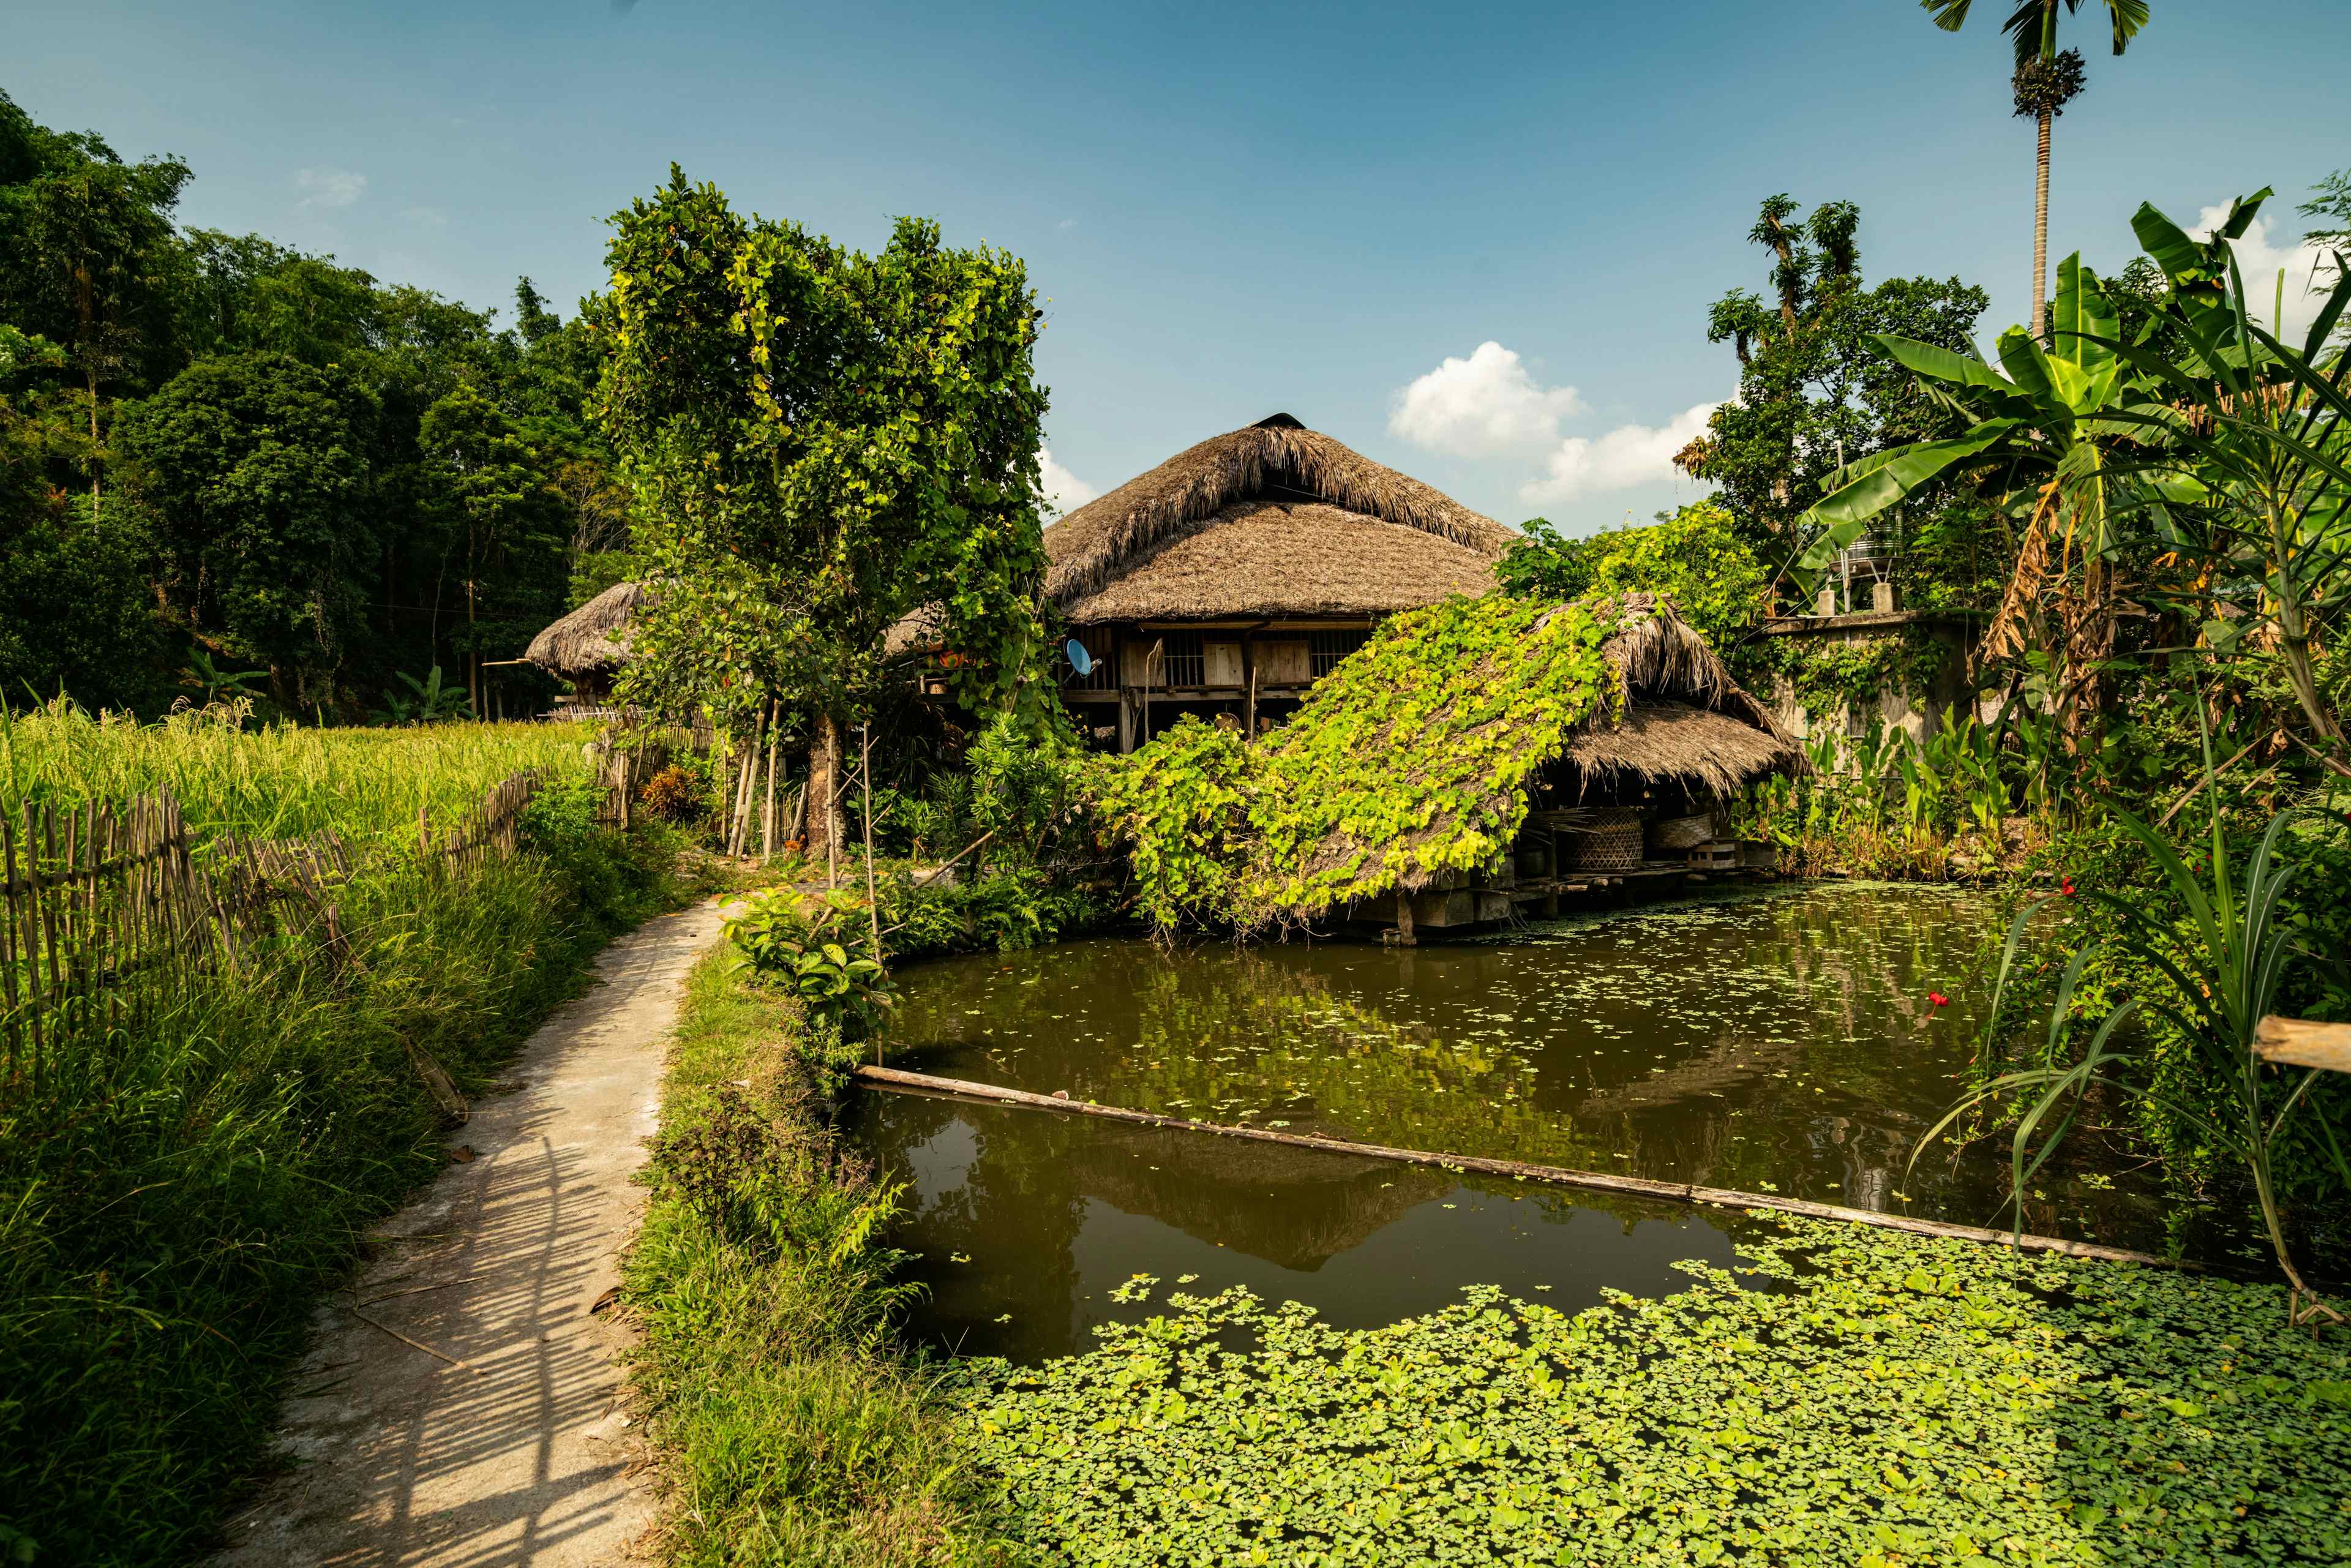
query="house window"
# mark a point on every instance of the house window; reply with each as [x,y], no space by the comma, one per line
[1182,661]
[1329,647]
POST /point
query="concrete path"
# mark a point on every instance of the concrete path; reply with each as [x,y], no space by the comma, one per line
[522,1458]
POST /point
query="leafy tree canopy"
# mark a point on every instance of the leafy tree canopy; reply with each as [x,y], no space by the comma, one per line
[822,442]
[1695,555]
[1815,390]
[255,466]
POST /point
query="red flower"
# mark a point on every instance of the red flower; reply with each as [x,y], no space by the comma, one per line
[2066,891]
[1938,999]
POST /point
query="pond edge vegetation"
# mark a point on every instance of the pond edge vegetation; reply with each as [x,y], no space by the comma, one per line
[788,1423]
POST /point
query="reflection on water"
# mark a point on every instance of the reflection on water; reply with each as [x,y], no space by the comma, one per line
[1778,1042]
[1027,1222]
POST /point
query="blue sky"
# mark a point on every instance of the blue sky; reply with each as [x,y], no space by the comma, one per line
[1229,209]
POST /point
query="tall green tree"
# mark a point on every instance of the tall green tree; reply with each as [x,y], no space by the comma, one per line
[824,444]
[256,469]
[87,256]
[2047,79]
[1816,391]
[503,522]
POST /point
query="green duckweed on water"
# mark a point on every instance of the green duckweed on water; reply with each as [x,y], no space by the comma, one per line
[1842,1396]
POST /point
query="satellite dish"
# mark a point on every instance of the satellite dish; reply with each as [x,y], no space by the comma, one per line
[1080,659]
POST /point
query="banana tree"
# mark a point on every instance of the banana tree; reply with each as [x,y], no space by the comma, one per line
[2047,436]
[2244,455]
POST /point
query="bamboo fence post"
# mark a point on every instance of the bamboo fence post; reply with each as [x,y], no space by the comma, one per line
[865,772]
[28,910]
[768,819]
[50,919]
[9,891]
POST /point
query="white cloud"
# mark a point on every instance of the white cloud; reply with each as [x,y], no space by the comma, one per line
[2261,261]
[329,187]
[431,217]
[1064,491]
[1627,456]
[1482,406]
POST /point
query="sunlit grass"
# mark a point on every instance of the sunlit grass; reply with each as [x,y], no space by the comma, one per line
[274,781]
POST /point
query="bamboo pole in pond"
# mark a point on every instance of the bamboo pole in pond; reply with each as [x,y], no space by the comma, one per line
[1556,1176]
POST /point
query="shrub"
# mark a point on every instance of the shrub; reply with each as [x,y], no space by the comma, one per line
[819,948]
[673,795]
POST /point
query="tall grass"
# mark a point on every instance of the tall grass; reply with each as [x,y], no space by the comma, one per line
[175,1195]
[276,780]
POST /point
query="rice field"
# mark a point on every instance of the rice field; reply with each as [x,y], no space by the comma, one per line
[274,781]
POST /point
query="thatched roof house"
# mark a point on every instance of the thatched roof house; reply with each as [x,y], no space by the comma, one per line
[1497,776]
[1685,718]
[1476,754]
[589,646]
[1232,576]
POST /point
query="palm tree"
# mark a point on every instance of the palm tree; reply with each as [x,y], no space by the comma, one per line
[2046,80]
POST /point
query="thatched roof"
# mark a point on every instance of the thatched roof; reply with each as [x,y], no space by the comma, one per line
[1672,740]
[1684,713]
[1271,520]
[593,638]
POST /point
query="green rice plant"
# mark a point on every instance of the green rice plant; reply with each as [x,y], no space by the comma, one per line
[277,781]
[2218,972]
[181,1183]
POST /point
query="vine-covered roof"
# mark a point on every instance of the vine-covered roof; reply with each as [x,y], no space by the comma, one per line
[1417,755]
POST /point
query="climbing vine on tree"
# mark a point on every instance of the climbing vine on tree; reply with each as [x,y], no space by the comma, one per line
[823,444]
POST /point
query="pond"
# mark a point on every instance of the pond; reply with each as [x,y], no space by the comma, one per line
[1781,1039]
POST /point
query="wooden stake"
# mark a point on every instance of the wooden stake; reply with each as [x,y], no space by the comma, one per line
[865,770]
[768,819]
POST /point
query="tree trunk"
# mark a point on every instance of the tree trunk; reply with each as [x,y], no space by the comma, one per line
[92,371]
[2040,237]
[822,813]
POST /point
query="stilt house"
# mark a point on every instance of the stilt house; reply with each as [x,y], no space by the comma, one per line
[1229,579]
[589,646]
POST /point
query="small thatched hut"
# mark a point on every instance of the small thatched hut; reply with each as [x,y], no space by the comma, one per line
[1631,787]
[1234,575]
[589,646]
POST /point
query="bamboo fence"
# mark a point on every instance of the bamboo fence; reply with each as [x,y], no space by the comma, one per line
[99,901]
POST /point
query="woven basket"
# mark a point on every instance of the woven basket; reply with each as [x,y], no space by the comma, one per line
[1610,842]
[1676,835]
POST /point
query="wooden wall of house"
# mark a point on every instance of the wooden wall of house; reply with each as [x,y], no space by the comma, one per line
[1147,675]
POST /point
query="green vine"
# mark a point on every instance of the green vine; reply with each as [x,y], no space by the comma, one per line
[1411,758]
[1827,675]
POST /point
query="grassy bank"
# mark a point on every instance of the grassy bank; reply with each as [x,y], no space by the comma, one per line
[176,1195]
[789,1430]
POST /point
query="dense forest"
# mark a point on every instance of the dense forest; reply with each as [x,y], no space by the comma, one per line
[228,465]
